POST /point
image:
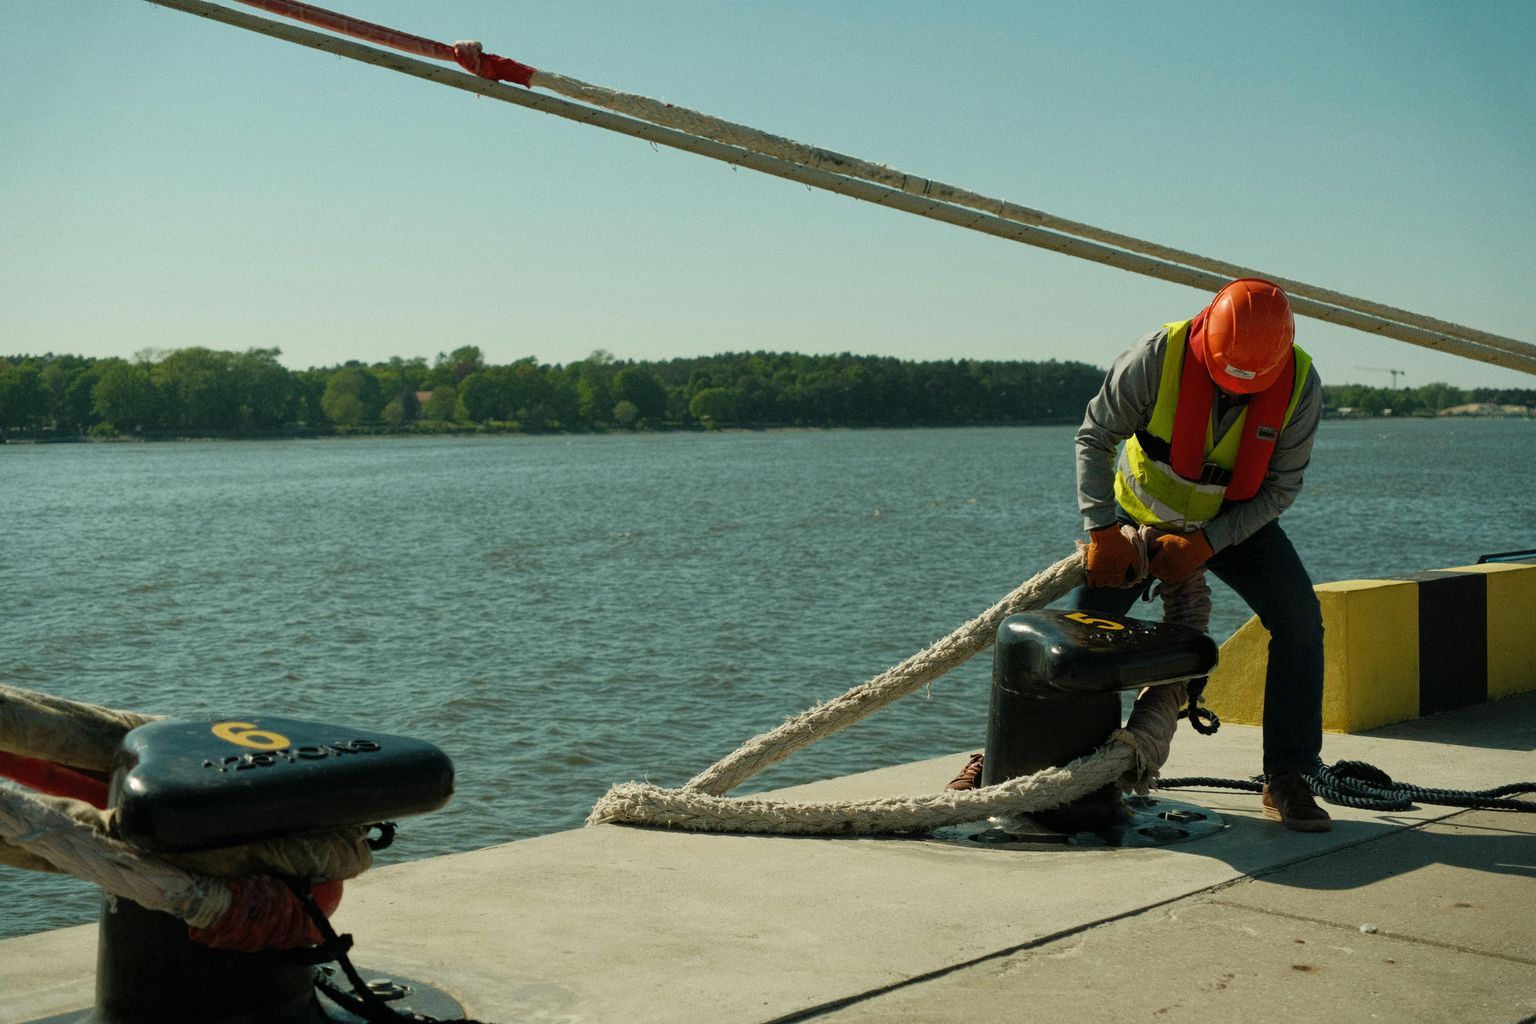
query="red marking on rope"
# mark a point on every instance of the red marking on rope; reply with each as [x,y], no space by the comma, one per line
[469,56]
[265,914]
[487,65]
[54,779]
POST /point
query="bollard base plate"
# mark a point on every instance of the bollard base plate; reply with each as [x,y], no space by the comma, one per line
[413,1000]
[1145,821]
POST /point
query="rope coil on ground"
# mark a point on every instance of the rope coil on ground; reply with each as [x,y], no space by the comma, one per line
[1365,787]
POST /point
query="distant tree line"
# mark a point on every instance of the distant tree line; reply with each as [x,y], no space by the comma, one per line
[1427,400]
[205,392]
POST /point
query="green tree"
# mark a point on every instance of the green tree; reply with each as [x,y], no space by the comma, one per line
[626,414]
[479,398]
[394,412]
[196,388]
[308,389]
[67,382]
[1434,397]
[22,401]
[264,390]
[442,405]
[399,380]
[351,397]
[715,407]
[642,389]
[455,366]
[593,383]
[529,395]
[124,395]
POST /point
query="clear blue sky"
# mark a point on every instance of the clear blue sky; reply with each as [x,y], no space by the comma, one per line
[166,181]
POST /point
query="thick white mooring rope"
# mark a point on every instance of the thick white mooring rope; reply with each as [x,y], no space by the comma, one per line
[43,826]
[56,833]
[701,805]
[891,685]
[1131,757]
[742,146]
[643,804]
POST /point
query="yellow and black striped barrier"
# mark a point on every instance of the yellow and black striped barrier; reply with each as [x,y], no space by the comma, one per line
[1404,647]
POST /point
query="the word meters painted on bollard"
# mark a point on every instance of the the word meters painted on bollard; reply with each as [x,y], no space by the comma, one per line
[181,786]
[1056,684]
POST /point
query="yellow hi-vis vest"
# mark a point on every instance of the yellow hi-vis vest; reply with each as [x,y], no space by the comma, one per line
[1146,484]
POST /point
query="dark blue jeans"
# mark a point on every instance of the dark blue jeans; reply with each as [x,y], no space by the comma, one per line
[1267,573]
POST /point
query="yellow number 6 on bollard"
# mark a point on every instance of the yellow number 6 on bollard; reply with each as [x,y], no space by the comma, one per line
[245,734]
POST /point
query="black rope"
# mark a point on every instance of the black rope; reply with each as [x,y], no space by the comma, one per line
[1366,787]
[1201,718]
[386,835]
[1210,782]
[1357,784]
[362,1000]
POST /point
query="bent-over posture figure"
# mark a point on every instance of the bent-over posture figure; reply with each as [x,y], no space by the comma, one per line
[1202,430]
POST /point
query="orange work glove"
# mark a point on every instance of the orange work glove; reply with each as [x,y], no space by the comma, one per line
[1178,555]
[1111,557]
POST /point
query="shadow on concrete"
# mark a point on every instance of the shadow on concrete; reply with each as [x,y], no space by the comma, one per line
[1505,724]
[1357,854]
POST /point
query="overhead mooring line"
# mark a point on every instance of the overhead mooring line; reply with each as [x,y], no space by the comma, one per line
[742,146]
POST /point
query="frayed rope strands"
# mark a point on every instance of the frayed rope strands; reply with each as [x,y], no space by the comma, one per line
[639,803]
[44,828]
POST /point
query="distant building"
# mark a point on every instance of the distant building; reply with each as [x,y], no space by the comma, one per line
[1486,409]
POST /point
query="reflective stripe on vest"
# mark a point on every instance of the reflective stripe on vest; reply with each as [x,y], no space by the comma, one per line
[1146,484]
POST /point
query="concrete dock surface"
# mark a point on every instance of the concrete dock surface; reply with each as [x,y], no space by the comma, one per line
[1426,915]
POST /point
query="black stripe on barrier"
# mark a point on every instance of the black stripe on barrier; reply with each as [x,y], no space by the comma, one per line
[1453,639]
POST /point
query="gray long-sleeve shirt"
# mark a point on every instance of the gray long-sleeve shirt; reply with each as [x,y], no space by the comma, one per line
[1124,405]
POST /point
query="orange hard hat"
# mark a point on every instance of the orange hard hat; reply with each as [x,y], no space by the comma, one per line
[1246,338]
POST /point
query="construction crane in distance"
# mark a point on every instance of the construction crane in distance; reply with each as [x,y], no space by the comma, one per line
[1382,369]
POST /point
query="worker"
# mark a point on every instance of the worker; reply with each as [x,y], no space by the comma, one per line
[1213,419]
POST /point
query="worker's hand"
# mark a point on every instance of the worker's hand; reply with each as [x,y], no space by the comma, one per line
[1178,555]
[1111,558]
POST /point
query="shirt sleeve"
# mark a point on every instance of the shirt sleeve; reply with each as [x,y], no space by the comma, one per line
[1293,451]
[1123,404]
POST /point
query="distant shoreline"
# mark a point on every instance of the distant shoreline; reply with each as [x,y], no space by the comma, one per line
[168,437]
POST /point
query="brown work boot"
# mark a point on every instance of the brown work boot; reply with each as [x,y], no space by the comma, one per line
[1288,800]
[970,775]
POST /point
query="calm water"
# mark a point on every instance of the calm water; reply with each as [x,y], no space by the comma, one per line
[560,614]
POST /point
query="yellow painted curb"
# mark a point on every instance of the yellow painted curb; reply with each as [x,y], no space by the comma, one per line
[1379,658]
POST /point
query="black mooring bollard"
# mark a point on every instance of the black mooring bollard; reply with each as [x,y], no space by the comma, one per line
[1056,683]
[181,786]
[148,970]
